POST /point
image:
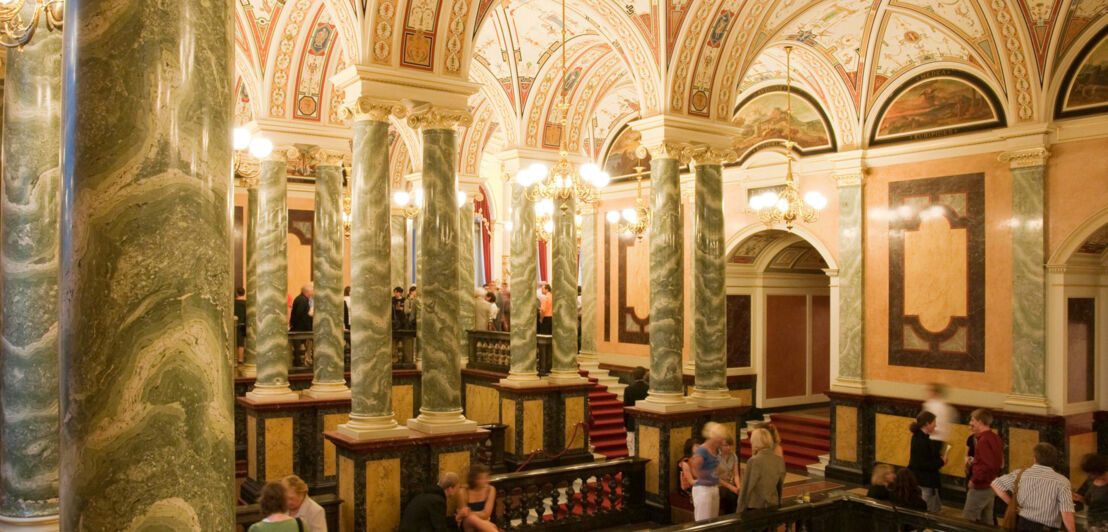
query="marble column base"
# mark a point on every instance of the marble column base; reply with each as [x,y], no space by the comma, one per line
[247,370]
[566,377]
[588,361]
[714,398]
[327,390]
[666,402]
[523,380]
[847,385]
[1030,404]
[272,394]
[373,428]
[47,523]
[442,423]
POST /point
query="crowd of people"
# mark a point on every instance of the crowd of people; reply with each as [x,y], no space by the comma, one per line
[286,507]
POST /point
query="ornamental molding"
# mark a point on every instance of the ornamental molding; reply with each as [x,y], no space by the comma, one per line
[283,154]
[665,150]
[325,157]
[707,155]
[430,117]
[368,109]
[1025,158]
[849,179]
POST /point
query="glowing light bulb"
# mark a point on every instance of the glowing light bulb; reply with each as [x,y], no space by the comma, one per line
[577,219]
[508,226]
[612,217]
[461,198]
[548,226]
[401,198]
[589,172]
[815,200]
[240,137]
[782,205]
[261,147]
[602,179]
[630,215]
[538,172]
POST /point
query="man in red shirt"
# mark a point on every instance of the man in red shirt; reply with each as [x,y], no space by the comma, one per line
[988,456]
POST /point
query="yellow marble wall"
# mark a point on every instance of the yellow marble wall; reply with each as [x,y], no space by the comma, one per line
[1080,445]
[575,413]
[458,463]
[747,396]
[278,447]
[532,425]
[331,422]
[508,417]
[346,493]
[403,403]
[894,440]
[956,456]
[677,439]
[382,499]
[252,447]
[482,404]
[1021,444]
[647,447]
[846,433]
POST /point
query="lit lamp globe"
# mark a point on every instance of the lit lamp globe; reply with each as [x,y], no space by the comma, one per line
[240,136]
[815,200]
[548,227]
[261,147]
[630,215]
[401,198]
[612,217]
[602,179]
[461,198]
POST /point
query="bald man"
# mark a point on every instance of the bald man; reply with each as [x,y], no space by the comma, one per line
[301,317]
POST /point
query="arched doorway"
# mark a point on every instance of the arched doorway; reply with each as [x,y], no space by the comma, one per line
[1077,318]
[779,315]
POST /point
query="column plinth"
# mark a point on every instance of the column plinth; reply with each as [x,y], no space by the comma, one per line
[48,523]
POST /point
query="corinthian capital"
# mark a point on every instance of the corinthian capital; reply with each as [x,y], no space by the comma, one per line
[283,154]
[322,156]
[665,150]
[703,154]
[365,108]
[1025,158]
[430,117]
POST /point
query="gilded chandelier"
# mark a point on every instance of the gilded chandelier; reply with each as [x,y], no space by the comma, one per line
[244,143]
[15,32]
[633,220]
[787,208]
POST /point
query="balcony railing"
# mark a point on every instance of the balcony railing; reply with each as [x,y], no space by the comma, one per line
[491,351]
[578,497]
[303,350]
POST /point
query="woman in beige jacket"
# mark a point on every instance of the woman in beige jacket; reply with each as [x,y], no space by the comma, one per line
[764,476]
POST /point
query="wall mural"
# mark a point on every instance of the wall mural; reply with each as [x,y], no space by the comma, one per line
[935,104]
[937,273]
[762,118]
[621,159]
[1086,83]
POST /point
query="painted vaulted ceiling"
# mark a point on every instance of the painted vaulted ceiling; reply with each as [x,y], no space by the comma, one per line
[632,58]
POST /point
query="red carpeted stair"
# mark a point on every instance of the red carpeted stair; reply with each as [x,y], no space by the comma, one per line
[804,439]
[607,433]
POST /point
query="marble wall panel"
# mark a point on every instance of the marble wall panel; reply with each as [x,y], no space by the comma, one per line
[1071,188]
[482,404]
[508,418]
[403,403]
[894,440]
[677,437]
[346,493]
[738,331]
[647,446]
[1021,442]
[786,346]
[454,462]
[533,420]
[574,414]
[278,447]
[747,396]
[846,433]
[382,499]
[331,422]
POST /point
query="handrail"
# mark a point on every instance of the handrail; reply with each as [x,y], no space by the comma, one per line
[491,351]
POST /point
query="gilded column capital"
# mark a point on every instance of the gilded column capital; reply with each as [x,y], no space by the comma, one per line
[368,109]
[282,154]
[665,150]
[849,179]
[1025,158]
[323,156]
[430,117]
[587,208]
[704,154]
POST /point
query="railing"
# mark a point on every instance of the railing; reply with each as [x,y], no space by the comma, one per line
[835,512]
[303,352]
[491,351]
[577,497]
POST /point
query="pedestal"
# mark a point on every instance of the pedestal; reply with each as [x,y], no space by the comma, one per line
[377,478]
[47,523]
[660,437]
[549,418]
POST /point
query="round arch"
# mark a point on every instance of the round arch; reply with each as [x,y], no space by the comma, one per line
[1073,241]
[750,230]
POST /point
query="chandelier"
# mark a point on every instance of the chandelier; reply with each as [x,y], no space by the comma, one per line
[245,143]
[347,210]
[544,221]
[564,180]
[786,207]
[411,204]
[15,32]
[633,220]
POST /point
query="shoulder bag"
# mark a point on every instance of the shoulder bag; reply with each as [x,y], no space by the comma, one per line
[1011,516]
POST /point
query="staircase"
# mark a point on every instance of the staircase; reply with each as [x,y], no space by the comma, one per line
[804,439]
[607,433]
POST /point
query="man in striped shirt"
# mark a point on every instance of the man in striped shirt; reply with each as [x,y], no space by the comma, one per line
[1044,496]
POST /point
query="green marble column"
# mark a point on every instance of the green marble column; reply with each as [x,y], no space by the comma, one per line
[525,276]
[249,366]
[271,284]
[1028,278]
[564,248]
[441,406]
[371,414]
[146,313]
[399,254]
[466,290]
[851,253]
[667,291]
[709,289]
[29,266]
[327,319]
[589,314]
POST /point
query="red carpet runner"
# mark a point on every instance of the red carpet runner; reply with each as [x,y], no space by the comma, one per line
[607,433]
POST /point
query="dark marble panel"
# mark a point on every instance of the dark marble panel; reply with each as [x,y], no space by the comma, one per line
[738,331]
[961,201]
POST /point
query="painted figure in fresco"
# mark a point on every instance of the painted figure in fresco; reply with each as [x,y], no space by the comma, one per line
[320,39]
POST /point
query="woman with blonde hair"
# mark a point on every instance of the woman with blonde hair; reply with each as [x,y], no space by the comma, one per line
[777,449]
[729,479]
[765,474]
[704,467]
[302,506]
[882,478]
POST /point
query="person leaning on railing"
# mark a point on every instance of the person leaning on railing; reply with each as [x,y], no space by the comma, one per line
[764,476]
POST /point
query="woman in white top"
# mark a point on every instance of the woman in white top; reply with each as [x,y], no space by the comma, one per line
[302,506]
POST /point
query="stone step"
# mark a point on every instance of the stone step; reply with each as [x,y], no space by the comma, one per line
[816,470]
[825,459]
